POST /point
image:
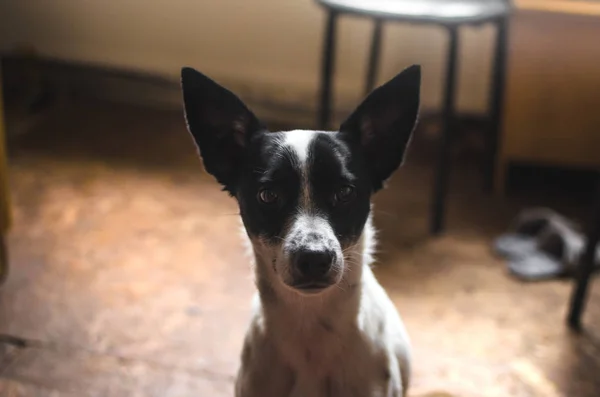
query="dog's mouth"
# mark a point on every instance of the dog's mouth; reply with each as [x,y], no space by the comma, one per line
[311,288]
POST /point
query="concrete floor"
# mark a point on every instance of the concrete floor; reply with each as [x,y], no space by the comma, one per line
[129,278]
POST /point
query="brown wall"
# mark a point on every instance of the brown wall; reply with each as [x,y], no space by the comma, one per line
[272,46]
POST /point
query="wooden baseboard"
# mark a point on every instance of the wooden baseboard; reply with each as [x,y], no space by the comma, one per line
[143,89]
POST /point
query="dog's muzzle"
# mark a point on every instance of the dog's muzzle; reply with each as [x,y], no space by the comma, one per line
[312,270]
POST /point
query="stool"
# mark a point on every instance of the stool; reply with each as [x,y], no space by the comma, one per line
[450,14]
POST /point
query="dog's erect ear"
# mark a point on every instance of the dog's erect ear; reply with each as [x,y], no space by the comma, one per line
[220,124]
[383,123]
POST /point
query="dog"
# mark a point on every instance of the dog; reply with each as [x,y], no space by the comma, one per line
[322,325]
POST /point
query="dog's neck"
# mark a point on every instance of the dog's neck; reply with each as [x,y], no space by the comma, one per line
[286,310]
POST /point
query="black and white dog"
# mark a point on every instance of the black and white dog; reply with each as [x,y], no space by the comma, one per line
[322,324]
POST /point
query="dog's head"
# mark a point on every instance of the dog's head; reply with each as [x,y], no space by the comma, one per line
[304,196]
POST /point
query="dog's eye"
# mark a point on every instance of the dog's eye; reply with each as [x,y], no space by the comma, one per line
[267,196]
[344,194]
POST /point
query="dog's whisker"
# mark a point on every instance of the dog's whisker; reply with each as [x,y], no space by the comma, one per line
[386,213]
[352,261]
[283,239]
[349,248]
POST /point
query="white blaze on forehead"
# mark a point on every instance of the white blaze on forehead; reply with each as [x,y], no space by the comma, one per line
[298,141]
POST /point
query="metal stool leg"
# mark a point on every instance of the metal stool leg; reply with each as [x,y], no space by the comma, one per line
[442,171]
[327,69]
[496,105]
[373,57]
[5,213]
[586,268]
[3,259]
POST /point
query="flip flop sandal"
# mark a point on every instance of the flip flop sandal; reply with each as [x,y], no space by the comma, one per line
[524,232]
[556,254]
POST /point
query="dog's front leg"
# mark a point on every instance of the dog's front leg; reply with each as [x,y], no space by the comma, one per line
[262,372]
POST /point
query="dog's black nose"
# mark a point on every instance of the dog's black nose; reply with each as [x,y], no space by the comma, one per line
[313,265]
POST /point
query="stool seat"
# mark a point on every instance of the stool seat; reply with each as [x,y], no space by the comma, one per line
[444,12]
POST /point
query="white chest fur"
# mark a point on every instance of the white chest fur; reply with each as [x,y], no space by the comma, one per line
[352,343]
